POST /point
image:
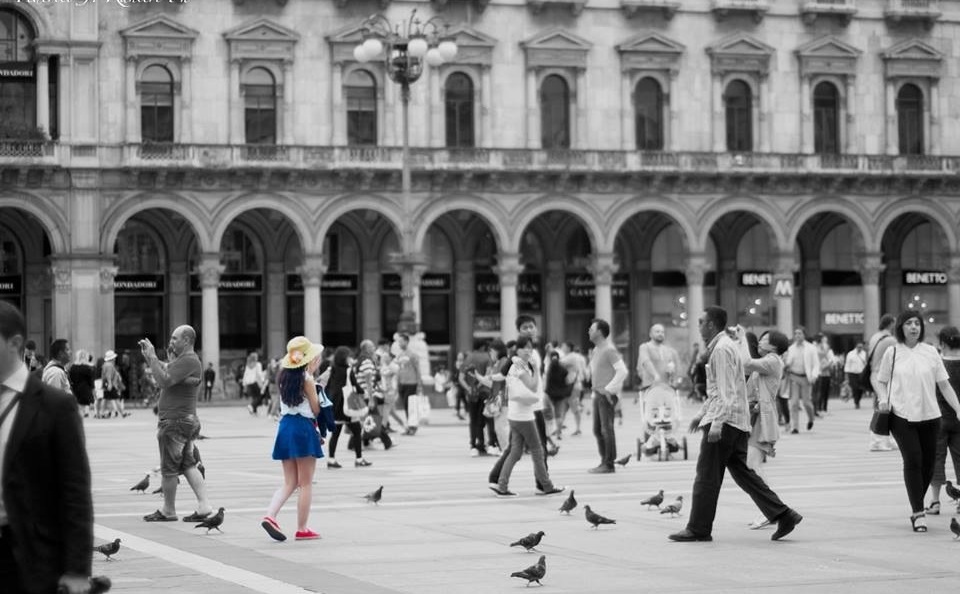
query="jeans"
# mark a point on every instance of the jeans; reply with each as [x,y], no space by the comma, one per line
[477,423]
[354,443]
[800,392]
[495,472]
[524,434]
[856,388]
[729,453]
[783,410]
[253,392]
[603,412]
[823,393]
[918,447]
[947,439]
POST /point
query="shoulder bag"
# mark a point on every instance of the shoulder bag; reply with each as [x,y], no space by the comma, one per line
[880,423]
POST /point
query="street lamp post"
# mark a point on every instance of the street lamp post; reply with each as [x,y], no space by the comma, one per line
[404,48]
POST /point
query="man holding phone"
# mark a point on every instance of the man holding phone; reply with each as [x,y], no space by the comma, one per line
[178,425]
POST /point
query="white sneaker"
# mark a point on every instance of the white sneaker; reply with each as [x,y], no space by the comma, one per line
[761,522]
[474,452]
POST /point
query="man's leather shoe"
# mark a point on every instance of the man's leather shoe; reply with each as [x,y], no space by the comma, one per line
[686,536]
[602,469]
[786,523]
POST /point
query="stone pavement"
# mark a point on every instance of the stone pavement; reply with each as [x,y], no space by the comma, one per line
[440,530]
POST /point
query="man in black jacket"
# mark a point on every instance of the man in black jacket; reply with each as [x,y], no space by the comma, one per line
[46,507]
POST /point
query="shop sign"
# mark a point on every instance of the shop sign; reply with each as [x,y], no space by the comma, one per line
[429,281]
[138,283]
[10,284]
[843,318]
[581,292]
[924,277]
[755,278]
[783,288]
[16,70]
[329,283]
[487,293]
[232,283]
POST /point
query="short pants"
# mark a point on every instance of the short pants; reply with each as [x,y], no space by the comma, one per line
[175,438]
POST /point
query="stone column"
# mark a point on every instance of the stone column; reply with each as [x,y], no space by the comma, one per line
[508,269]
[288,135]
[627,140]
[312,272]
[463,304]
[487,109]
[696,270]
[436,107]
[186,101]
[389,135]
[764,115]
[806,118]
[895,297]
[533,110]
[235,114]
[729,288]
[64,93]
[719,129]
[935,117]
[783,291]
[891,103]
[673,108]
[276,306]
[953,289]
[107,311]
[602,268]
[852,140]
[37,289]
[210,270]
[370,299]
[43,93]
[60,269]
[179,292]
[132,102]
[871,267]
[812,280]
[556,300]
[641,301]
[339,123]
[412,267]
[581,134]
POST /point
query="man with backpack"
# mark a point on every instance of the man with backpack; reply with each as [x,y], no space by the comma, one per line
[476,394]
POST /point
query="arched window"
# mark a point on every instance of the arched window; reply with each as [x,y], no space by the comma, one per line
[648,110]
[826,119]
[239,253]
[156,105]
[439,251]
[554,113]
[260,100]
[138,250]
[458,107]
[360,90]
[738,102]
[18,103]
[910,120]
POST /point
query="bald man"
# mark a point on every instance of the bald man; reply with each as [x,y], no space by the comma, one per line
[657,362]
[178,425]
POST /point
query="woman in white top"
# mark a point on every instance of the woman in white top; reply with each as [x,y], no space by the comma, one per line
[253,382]
[907,383]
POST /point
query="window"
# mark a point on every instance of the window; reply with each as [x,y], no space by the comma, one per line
[361,94]
[648,109]
[16,37]
[910,120]
[458,108]
[239,254]
[138,251]
[156,105]
[260,114]
[826,119]
[554,113]
[738,102]
[18,103]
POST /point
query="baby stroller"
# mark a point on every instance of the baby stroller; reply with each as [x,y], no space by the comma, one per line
[661,415]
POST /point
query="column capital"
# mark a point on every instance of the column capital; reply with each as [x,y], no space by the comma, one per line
[210,270]
[696,267]
[603,267]
[312,271]
[62,277]
[870,267]
[108,275]
[785,264]
[508,269]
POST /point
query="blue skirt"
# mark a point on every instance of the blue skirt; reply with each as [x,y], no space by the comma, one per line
[297,437]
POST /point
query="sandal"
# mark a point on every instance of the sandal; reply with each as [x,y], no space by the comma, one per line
[919,522]
[158,516]
[934,508]
[196,517]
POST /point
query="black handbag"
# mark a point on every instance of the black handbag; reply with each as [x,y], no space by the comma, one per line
[880,423]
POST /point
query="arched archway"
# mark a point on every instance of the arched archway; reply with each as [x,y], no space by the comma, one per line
[189,211]
[25,281]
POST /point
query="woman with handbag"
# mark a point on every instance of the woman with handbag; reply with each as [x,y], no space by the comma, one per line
[907,383]
[348,408]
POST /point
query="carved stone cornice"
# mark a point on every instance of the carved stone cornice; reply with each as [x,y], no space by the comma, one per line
[509,269]
[696,268]
[62,278]
[603,267]
[210,270]
[312,271]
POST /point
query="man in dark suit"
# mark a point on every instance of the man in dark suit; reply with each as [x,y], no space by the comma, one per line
[46,507]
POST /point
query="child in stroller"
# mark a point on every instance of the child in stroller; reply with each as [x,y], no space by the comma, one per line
[661,414]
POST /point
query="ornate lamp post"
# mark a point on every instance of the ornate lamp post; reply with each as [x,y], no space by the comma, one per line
[404,47]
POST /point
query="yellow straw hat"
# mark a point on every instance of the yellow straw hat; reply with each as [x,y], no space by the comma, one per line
[300,351]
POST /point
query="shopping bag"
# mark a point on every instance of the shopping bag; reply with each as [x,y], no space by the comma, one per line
[424,403]
[413,411]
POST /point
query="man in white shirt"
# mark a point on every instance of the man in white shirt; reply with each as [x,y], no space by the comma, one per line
[853,366]
[801,368]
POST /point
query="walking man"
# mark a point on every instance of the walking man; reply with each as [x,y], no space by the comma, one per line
[178,425]
[409,382]
[853,366]
[725,421]
[802,363]
[209,377]
[608,372]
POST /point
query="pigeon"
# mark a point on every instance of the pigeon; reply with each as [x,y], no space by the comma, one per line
[143,485]
[569,504]
[595,518]
[623,461]
[654,500]
[534,573]
[213,522]
[955,528]
[952,492]
[374,496]
[529,541]
[674,508]
[107,549]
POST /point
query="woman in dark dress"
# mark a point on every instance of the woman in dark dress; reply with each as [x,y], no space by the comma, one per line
[82,375]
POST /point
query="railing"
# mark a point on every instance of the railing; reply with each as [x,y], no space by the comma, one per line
[829,5]
[19,149]
[921,8]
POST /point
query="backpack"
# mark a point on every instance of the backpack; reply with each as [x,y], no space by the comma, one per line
[557,386]
[868,368]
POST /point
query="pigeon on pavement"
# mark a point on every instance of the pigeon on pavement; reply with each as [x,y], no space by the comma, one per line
[955,528]
[568,504]
[374,496]
[654,500]
[534,573]
[623,461]
[108,549]
[143,485]
[674,508]
[529,541]
[595,518]
[952,492]
[213,522]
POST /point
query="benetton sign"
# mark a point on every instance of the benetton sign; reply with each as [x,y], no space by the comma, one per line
[924,277]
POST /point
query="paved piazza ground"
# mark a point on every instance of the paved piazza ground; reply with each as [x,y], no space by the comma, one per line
[439,530]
